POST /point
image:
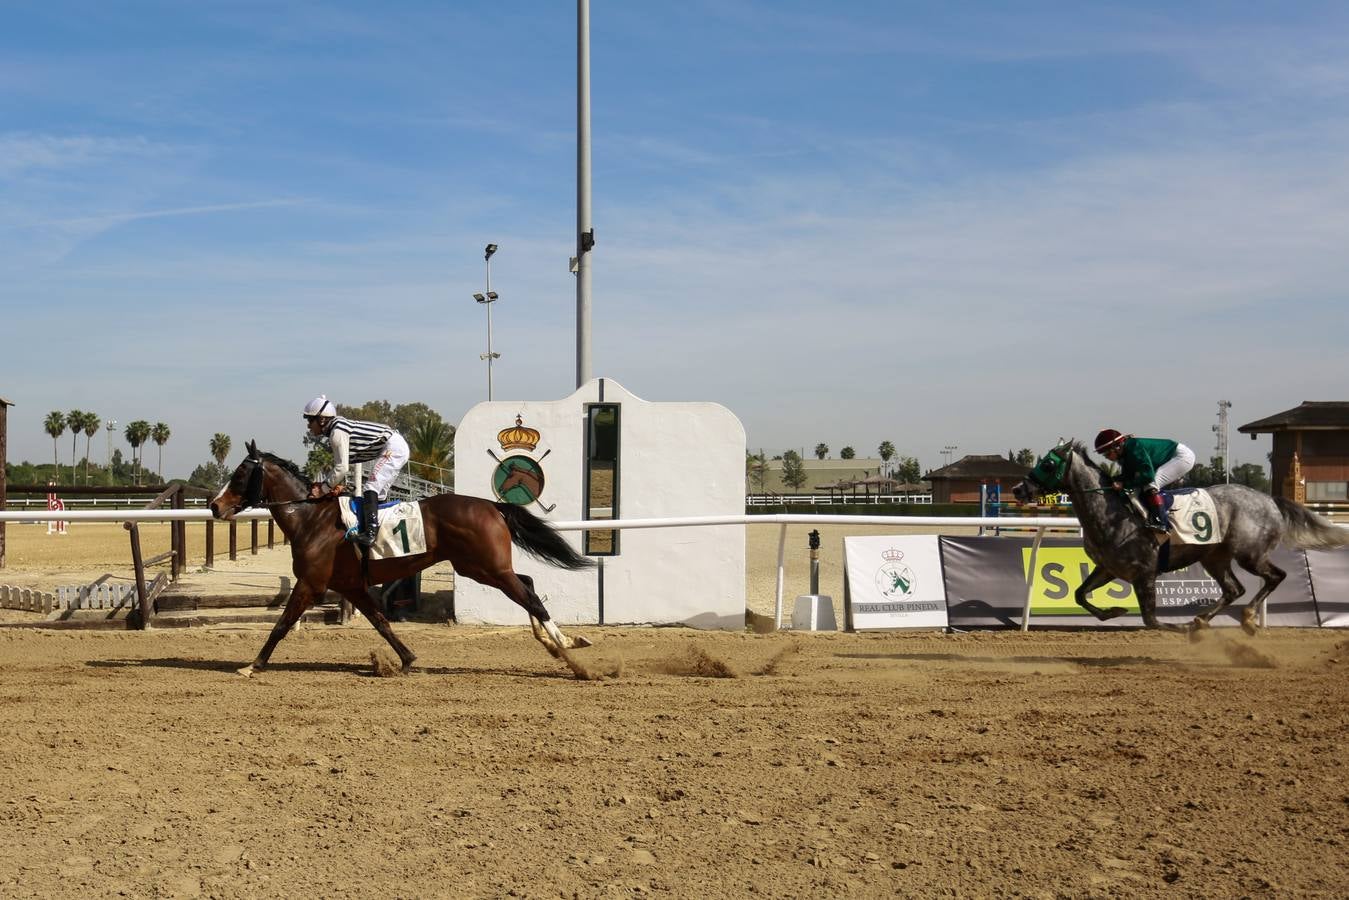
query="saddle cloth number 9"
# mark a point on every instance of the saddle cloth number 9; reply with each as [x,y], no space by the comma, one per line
[1194,518]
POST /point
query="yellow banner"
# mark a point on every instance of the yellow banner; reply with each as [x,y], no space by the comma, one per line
[1059,572]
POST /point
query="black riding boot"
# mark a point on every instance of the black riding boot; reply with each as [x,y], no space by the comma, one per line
[369,518]
[1155,503]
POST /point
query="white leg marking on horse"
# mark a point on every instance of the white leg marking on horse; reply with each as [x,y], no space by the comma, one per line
[555,633]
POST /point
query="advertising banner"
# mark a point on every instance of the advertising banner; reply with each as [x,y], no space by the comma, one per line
[893,582]
[986,583]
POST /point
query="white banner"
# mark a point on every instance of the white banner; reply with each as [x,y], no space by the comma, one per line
[895,582]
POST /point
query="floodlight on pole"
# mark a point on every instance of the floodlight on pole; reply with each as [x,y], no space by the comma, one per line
[112,426]
[487,298]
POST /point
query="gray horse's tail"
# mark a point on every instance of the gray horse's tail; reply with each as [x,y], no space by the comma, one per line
[1308,531]
[537,538]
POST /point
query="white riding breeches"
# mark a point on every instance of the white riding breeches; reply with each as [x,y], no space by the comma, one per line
[381,471]
[1174,469]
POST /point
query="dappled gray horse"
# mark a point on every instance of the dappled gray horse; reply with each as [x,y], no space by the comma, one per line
[1120,545]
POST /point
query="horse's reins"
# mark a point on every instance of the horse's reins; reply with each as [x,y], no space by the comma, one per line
[253,490]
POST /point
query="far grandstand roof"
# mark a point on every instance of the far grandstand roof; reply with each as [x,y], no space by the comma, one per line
[1311,415]
[977,466]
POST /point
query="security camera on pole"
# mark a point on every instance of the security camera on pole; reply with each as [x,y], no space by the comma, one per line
[487,299]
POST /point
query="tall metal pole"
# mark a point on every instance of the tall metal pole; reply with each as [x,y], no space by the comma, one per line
[585,232]
[488,298]
[489,327]
[1221,431]
[112,424]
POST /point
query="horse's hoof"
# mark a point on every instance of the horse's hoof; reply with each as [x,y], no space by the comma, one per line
[246,671]
[578,641]
[1198,628]
[1113,612]
[407,667]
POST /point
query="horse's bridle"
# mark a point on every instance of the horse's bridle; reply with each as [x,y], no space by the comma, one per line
[1049,471]
[253,490]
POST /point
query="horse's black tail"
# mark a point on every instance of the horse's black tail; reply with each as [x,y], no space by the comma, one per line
[1308,531]
[537,538]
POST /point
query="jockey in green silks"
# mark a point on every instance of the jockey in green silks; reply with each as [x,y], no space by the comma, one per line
[1146,465]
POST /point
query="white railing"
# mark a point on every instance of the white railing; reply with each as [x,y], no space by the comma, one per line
[782,520]
[96,502]
[826,500]
[1040,523]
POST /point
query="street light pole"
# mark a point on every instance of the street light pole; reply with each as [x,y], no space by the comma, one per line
[112,425]
[487,299]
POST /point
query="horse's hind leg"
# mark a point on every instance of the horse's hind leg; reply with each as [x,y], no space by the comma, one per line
[362,599]
[301,596]
[1221,572]
[1272,575]
[540,626]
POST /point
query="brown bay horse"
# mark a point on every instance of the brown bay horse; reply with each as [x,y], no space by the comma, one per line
[473,534]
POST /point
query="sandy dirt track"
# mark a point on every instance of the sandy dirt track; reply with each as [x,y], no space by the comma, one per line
[707,765]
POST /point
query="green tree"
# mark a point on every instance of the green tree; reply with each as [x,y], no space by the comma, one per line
[756,466]
[320,460]
[91,425]
[886,451]
[821,451]
[908,471]
[220,448]
[793,470]
[75,420]
[137,433]
[847,453]
[1251,475]
[209,475]
[160,435]
[405,417]
[431,443]
[55,425]
[1024,457]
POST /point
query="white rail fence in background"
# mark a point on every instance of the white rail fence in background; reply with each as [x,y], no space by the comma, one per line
[782,520]
[837,500]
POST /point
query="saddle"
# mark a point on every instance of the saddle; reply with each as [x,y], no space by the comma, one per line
[1193,515]
[400,527]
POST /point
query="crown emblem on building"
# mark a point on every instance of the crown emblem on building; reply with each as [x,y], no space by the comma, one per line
[893,555]
[518,437]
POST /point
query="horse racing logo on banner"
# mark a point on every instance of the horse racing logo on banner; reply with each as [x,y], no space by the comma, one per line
[518,477]
[895,580]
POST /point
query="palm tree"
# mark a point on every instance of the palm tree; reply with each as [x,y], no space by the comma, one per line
[432,444]
[220,448]
[136,434]
[160,434]
[55,425]
[821,451]
[75,420]
[91,424]
[886,451]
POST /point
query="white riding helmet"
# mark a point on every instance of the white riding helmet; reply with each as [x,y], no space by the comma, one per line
[320,406]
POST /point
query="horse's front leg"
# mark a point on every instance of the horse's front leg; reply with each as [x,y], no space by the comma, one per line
[1097,578]
[301,596]
[362,599]
[1146,590]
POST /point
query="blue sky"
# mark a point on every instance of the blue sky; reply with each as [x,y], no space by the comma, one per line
[979,224]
